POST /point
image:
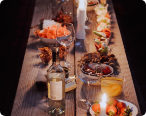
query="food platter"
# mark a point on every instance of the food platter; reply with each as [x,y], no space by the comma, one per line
[132,106]
[92,2]
[90,7]
[93,65]
[48,41]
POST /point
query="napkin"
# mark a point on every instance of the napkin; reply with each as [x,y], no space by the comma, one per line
[81,18]
[48,23]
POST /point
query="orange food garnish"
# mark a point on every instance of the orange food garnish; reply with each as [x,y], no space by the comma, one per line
[50,32]
[96,108]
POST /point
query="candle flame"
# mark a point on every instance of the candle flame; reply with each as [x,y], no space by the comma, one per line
[104,98]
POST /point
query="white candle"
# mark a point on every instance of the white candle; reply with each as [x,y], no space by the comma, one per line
[103,106]
[81,17]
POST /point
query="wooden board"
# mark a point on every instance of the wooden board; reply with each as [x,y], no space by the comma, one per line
[117,48]
[28,101]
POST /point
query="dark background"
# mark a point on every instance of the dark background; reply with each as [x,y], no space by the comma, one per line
[15,21]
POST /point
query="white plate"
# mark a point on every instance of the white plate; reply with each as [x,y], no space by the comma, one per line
[132,106]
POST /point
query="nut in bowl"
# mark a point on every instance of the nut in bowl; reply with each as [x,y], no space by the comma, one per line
[45,54]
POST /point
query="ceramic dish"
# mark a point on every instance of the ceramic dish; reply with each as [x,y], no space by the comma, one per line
[48,41]
[53,41]
[90,7]
[93,65]
[132,106]
[92,2]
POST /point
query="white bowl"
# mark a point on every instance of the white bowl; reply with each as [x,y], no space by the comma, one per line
[132,106]
[48,41]
[93,65]
[90,8]
[53,41]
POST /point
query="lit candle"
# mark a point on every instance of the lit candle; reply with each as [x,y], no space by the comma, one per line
[103,106]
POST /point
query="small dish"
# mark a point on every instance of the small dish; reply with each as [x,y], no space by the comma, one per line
[132,106]
[45,53]
[53,41]
[91,7]
[48,41]
[92,2]
[93,65]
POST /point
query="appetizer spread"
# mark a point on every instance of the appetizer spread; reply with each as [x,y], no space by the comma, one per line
[114,107]
[92,2]
[46,53]
[101,46]
[60,17]
[50,32]
[89,70]
[103,31]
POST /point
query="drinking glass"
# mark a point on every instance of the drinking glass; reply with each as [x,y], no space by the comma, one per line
[89,78]
[66,39]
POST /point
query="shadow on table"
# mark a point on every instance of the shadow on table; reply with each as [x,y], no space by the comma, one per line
[93,95]
[35,98]
[33,45]
[80,46]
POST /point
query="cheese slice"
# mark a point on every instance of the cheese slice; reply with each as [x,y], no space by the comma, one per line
[70,86]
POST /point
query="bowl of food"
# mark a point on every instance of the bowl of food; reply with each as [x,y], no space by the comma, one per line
[91,5]
[91,70]
[49,34]
[45,53]
[116,107]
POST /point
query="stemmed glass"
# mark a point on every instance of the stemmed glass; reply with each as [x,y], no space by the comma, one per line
[89,78]
[67,38]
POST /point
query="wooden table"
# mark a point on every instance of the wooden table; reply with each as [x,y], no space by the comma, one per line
[30,102]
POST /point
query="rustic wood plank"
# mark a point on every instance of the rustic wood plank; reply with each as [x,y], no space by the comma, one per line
[117,48]
[28,101]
